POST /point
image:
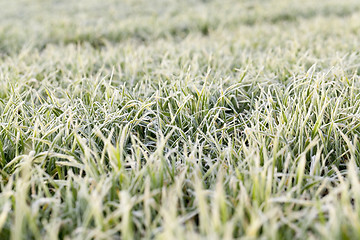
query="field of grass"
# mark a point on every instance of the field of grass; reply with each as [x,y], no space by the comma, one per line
[165,119]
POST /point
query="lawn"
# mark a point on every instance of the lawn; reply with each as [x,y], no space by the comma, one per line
[165,119]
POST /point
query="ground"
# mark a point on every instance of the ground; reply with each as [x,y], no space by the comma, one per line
[168,119]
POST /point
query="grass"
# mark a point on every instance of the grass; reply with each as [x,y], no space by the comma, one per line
[173,119]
